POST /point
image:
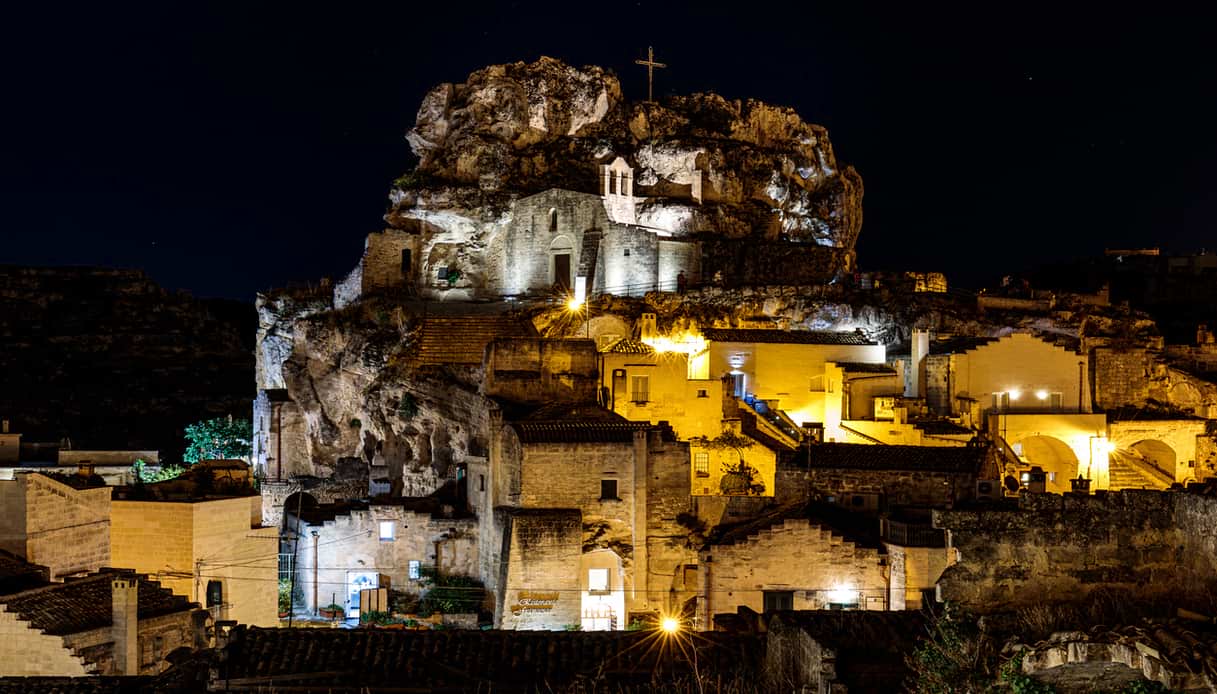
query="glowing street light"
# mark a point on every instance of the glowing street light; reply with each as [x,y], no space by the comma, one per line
[669,625]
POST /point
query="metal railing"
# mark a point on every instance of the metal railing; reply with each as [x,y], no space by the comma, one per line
[911,535]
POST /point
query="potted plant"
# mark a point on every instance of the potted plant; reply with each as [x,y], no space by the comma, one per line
[332,611]
[285,597]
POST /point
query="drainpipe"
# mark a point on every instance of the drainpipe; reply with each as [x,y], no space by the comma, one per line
[315,606]
[1081,367]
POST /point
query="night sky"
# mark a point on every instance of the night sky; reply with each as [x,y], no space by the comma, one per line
[227,148]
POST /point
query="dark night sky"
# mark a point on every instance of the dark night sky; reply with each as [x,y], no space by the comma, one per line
[227,148]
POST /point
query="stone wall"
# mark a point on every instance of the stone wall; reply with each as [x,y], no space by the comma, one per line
[898,487]
[60,527]
[29,652]
[1121,376]
[668,544]
[629,257]
[754,261]
[382,261]
[156,637]
[351,542]
[542,577]
[214,538]
[819,566]
[541,370]
[1055,548]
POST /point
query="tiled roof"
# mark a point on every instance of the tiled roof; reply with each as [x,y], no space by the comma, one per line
[628,345]
[575,423]
[17,574]
[86,603]
[78,685]
[859,529]
[861,456]
[797,337]
[941,427]
[467,660]
[955,345]
[862,368]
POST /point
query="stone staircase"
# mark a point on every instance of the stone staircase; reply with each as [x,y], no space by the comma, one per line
[462,339]
[1129,473]
[587,258]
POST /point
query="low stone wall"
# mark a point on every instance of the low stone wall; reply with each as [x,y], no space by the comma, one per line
[1051,547]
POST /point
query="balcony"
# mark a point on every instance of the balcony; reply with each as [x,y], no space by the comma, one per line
[911,534]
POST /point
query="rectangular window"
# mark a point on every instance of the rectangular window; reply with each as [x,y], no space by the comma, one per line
[640,389]
[441,273]
[414,570]
[598,580]
[608,490]
[481,483]
[387,530]
[702,393]
[701,464]
[779,600]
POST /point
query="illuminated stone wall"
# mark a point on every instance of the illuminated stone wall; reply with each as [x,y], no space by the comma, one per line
[541,370]
[541,587]
[1056,548]
[899,487]
[29,652]
[796,555]
[1121,377]
[223,534]
[50,523]
[351,542]
[156,638]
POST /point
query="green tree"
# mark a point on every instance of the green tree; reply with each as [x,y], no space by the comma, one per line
[223,438]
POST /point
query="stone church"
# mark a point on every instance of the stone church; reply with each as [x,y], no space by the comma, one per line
[559,240]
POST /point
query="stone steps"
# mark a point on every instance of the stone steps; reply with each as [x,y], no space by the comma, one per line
[1125,476]
[463,339]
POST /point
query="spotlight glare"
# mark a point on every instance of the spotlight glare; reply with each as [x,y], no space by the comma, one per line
[669,625]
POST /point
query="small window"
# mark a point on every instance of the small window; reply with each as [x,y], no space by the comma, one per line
[608,490]
[779,600]
[702,393]
[553,220]
[627,252]
[640,389]
[701,464]
[215,593]
[481,483]
[441,273]
[387,530]
[405,262]
[414,570]
[598,580]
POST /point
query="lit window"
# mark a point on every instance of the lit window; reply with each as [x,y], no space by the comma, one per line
[598,580]
[701,464]
[414,570]
[387,530]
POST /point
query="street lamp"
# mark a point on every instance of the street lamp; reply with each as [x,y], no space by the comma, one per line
[576,305]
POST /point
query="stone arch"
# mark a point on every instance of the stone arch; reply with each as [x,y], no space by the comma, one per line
[1157,453]
[1053,456]
[297,501]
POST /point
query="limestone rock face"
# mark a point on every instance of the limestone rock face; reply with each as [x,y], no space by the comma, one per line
[513,130]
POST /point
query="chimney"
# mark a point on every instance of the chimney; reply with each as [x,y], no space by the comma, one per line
[919,349]
[124,601]
[646,329]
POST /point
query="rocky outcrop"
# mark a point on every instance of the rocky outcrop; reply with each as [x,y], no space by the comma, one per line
[109,359]
[517,129]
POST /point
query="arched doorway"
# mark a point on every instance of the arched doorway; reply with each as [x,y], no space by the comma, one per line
[561,253]
[296,503]
[1054,457]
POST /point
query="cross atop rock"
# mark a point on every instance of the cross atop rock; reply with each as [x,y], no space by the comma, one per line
[651,65]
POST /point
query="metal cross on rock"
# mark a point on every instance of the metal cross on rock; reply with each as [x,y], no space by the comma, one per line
[651,65]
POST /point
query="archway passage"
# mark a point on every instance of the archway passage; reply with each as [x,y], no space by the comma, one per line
[1054,457]
[1156,453]
[296,503]
[561,252]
